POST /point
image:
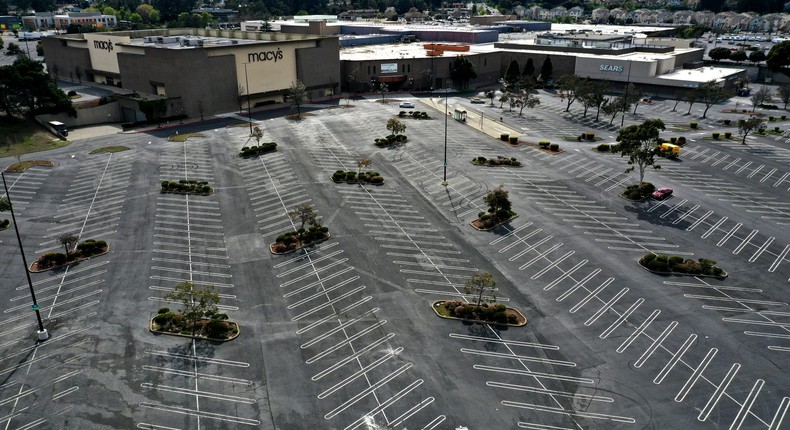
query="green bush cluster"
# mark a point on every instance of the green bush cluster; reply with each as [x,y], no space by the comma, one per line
[390,140]
[51,259]
[727,122]
[499,161]
[258,150]
[728,134]
[489,220]
[485,312]
[514,140]
[715,135]
[186,186]
[693,124]
[416,114]
[4,224]
[91,247]
[678,264]
[638,192]
[544,144]
[589,136]
[364,177]
[554,147]
[313,233]
[504,137]
[681,141]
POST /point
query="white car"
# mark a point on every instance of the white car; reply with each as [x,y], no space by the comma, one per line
[406,105]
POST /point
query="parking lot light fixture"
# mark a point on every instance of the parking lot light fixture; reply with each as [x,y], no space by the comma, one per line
[249,110]
[446,90]
[42,332]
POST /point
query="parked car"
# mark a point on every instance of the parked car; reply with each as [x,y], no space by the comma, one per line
[477,100]
[406,105]
[662,193]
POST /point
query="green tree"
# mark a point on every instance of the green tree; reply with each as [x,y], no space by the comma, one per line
[68,240]
[14,49]
[757,56]
[26,89]
[614,107]
[479,284]
[5,204]
[513,73]
[136,18]
[395,126]
[718,54]
[779,55]
[462,71]
[154,110]
[206,19]
[639,143]
[108,10]
[297,96]
[305,214]
[635,95]
[546,71]
[523,99]
[197,302]
[498,201]
[593,94]
[738,56]
[569,89]
[144,10]
[746,126]
[710,94]
[784,94]
[529,69]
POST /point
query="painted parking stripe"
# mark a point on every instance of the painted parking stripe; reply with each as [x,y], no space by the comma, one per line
[699,221]
[768,175]
[387,403]
[510,234]
[533,374]
[536,426]
[714,227]
[201,414]
[729,234]
[654,346]
[488,340]
[362,371]
[604,334]
[347,341]
[323,293]
[781,412]
[779,259]
[552,265]
[748,163]
[328,303]
[362,351]
[368,390]
[510,356]
[523,240]
[571,413]
[579,284]
[763,323]
[564,275]
[540,256]
[321,281]
[776,184]
[685,214]
[673,209]
[754,171]
[527,389]
[746,406]
[761,249]
[681,395]
[591,295]
[720,389]
[639,330]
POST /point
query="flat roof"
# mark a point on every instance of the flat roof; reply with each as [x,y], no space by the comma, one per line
[701,75]
[395,51]
[633,56]
[208,42]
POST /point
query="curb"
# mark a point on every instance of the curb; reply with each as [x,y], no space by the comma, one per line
[238,333]
[435,304]
[494,226]
[499,165]
[30,269]
[722,276]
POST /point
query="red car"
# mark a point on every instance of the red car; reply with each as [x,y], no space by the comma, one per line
[662,193]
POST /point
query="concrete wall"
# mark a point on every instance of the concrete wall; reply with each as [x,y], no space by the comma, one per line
[688,57]
[65,59]
[108,113]
[319,68]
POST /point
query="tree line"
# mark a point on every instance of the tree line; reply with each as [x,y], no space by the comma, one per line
[26,89]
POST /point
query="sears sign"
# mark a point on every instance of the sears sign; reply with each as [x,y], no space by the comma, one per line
[610,68]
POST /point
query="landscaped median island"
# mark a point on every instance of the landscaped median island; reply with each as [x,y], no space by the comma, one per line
[109,149]
[183,137]
[198,318]
[498,161]
[187,186]
[263,148]
[638,192]
[677,265]
[24,165]
[481,287]
[353,177]
[396,137]
[84,250]
[295,240]
[498,210]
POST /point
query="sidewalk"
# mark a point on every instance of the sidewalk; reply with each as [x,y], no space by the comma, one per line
[476,119]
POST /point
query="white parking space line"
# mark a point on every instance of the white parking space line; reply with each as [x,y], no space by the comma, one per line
[571,413]
[720,389]
[689,384]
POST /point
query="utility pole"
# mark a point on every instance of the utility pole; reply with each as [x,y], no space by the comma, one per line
[249,110]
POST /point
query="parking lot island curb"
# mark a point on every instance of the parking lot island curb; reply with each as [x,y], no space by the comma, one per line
[436,304]
[199,337]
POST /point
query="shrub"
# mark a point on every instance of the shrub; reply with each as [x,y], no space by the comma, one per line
[402,114]
[681,141]
[727,134]
[377,180]
[770,119]
[503,214]
[776,128]
[4,224]
[784,117]
[715,135]
[727,122]
[481,160]
[673,140]
[693,124]
[513,140]
[71,93]
[604,147]
[589,135]
[657,265]
[217,329]
[504,137]
[163,310]
[544,144]
[675,260]
[257,150]
[339,176]
[647,258]
[615,148]
[350,176]
[555,147]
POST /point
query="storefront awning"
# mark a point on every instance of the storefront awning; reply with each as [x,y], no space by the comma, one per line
[390,78]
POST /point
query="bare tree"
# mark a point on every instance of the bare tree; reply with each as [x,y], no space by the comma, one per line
[746,126]
[760,96]
[297,96]
[257,134]
[362,163]
[197,302]
[480,284]
[524,99]
[305,214]
[68,241]
[395,126]
[710,93]
[784,94]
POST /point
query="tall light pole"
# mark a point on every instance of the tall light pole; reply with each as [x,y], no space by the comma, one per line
[249,110]
[625,97]
[446,91]
[42,332]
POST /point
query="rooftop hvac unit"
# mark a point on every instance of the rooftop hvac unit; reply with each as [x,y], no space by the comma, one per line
[234,42]
[149,39]
[160,39]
